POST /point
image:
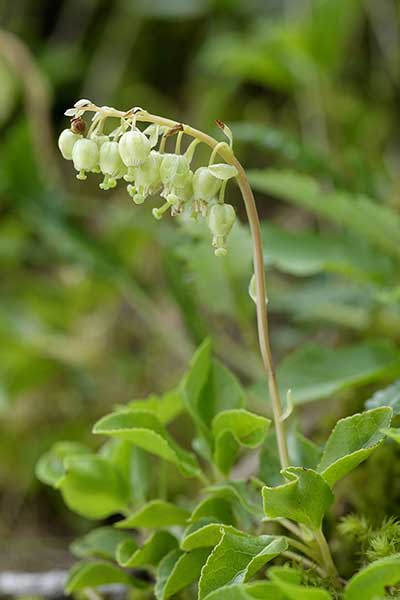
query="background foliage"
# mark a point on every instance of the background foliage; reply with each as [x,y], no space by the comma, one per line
[99,304]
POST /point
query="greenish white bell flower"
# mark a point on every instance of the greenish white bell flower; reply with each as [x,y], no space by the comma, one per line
[66,142]
[175,171]
[134,148]
[221,219]
[147,178]
[111,164]
[176,177]
[205,185]
[85,156]
[182,197]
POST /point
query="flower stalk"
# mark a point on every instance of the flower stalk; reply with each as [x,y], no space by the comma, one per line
[224,150]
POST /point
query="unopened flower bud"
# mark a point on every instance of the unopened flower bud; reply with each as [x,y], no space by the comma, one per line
[205,185]
[220,221]
[66,142]
[78,125]
[85,155]
[82,102]
[134,148]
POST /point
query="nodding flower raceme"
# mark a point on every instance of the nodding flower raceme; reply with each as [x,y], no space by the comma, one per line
[130,154]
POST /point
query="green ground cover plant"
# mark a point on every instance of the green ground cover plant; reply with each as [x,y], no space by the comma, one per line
[256,519]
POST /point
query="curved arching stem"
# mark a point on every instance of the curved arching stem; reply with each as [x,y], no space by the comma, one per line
[262,314]
[258,257]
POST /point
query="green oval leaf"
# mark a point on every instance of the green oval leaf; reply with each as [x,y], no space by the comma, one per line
[351,442]
[262,590]
[286,583]
[214,507]
[50,466]
[156,513]
[143,429]
[94,574]
[134,465]
[209,388]
[165,407]
[305,498]
[177,570]
[370,583]
[230,592]
[236,558]
[92,487]
[196,378]
[201,534]
[239,493]
[153,550]
[235,428]
[100,543]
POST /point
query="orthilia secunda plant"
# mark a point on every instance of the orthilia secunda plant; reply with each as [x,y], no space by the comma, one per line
[138,158]
[208,548]
[215,549]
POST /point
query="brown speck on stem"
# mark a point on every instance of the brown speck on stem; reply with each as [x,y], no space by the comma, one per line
[174,130]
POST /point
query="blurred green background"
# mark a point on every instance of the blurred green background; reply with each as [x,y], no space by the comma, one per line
[100,304]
